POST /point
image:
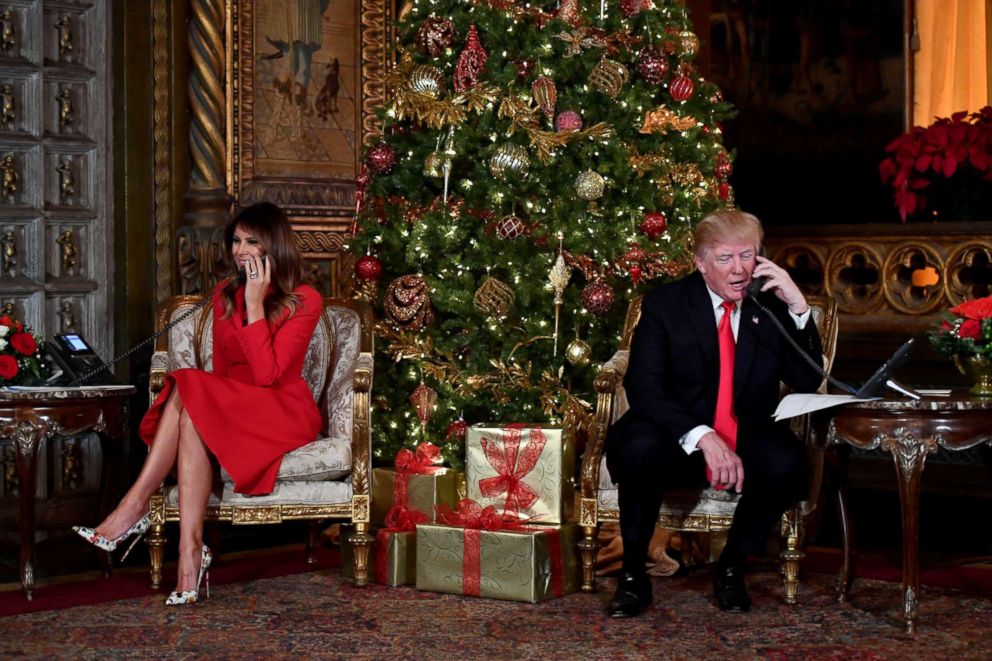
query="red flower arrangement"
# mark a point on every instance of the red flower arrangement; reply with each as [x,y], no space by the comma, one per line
[968,332]
[20,361]
[947,165]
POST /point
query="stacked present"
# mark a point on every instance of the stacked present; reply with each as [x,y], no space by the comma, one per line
[510,539]
[401,499]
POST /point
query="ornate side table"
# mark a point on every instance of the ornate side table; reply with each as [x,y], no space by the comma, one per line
[29,417]
[910,430]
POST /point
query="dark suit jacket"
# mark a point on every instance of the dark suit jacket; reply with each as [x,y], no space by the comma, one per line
[674,366]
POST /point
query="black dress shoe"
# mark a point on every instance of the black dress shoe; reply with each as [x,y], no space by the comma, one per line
[633,595]
[730,591]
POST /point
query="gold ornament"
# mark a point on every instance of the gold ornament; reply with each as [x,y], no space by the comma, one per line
[609,77]
[546,95]
[589,185]
[423,399]
[578,352]
[434,164]
[494,297]
[558,277]
[661,120]
[509,158]
[689,43]
[407,305]
[427,80]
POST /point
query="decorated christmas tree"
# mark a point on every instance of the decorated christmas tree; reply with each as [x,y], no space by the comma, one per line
[538,168]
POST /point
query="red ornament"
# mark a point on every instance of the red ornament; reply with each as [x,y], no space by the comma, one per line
[380,158]
[681,88]
[434,35]
[470,62]
[724,190]
[652,66]
[456,430]
[598,297]
[635,275]
[568,121]
[368,268]
[634,7]
[509,228]
[545,93]
[723,167]
[524,69]
[636,254]
[654,224]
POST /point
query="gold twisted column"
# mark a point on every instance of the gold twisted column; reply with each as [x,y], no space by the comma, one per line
[161,102]
[206,202]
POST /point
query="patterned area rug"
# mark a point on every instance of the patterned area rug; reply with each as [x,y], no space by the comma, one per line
[320,615]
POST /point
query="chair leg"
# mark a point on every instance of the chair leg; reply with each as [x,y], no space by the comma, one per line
[589,547]
[361,543]
[156,550]
[313,538]
[792,528]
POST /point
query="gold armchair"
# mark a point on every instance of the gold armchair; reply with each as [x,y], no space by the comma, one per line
[329,478]
[708,510]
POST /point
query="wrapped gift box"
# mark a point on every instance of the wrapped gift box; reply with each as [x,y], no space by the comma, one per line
[531,565]
[392,559]
[522,469]
[423,491]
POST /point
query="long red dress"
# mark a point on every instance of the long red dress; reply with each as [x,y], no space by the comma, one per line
[255,406]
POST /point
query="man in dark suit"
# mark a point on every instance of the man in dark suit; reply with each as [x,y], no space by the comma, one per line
[688,423]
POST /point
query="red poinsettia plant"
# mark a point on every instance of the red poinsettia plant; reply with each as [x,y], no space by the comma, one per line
[21,361]
[967,331]
[945,167]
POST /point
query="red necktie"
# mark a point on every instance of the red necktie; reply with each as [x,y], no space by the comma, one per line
[724,421]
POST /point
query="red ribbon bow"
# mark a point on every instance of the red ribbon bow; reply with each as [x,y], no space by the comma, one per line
[512,466]
[424,460]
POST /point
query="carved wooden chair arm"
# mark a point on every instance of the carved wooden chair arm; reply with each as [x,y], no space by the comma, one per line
[156,376]
[363,372]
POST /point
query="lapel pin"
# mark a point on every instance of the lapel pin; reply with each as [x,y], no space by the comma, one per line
[754,319]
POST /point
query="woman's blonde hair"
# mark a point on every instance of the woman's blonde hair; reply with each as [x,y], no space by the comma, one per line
[727,226]
[271,227]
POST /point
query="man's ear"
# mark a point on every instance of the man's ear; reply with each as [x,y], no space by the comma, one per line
[699,264]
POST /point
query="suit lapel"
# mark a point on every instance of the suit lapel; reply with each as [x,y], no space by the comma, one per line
[703,323]
[747,344]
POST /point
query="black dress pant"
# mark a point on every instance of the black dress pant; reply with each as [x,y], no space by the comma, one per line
[774,479]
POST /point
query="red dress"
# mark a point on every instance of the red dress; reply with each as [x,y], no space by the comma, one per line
[255,406]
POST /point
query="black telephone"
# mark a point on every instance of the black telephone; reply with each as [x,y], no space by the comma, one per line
[78,364]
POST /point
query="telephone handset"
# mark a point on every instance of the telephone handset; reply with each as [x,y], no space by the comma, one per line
[754,287]
[78,364]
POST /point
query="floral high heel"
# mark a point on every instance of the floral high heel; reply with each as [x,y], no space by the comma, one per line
[191,596]
[139,528]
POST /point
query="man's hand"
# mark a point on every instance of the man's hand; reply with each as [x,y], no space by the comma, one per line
[780,282]
[725,466]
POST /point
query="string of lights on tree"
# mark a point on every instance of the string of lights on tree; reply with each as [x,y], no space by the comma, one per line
[538,167]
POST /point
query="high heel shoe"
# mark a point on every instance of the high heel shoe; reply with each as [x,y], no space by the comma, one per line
[191,596]
[139,528]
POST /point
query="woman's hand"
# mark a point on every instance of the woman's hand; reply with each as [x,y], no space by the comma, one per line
[258,276]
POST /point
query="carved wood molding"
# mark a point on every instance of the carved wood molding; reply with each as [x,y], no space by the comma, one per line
[886,279]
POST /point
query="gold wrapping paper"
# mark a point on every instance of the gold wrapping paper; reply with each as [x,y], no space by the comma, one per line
[513,565]
[551,476]
[401,558]
[425,492]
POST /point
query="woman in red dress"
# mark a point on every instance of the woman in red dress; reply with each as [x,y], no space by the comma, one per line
[249,412]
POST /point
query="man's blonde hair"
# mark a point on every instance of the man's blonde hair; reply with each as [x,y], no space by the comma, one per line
[727,226]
